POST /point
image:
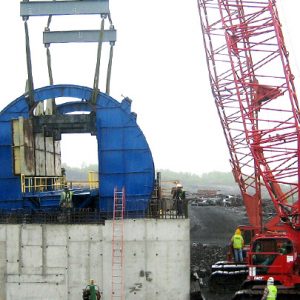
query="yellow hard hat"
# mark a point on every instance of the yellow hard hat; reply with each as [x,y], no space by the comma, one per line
[238,231]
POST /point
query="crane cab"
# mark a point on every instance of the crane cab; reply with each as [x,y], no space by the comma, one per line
[274,255]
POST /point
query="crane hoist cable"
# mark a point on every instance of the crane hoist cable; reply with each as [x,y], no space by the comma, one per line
[111,53]
[108,76]
[30,87]
[49,65]
[48,53]
[99,51]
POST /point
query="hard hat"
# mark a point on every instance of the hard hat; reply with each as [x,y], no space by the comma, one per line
[179,185]
[270,280]
[238,231]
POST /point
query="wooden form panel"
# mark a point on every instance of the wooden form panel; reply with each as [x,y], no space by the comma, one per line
[34,155]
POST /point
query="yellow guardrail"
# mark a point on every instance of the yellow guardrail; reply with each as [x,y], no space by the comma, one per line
[41,184]
[93,180]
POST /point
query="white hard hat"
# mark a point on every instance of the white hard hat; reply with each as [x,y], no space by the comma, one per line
[270,280]
[179,185]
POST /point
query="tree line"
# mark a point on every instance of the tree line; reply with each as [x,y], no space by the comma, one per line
[190,181]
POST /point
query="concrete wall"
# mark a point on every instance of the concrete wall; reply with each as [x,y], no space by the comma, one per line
[57,261]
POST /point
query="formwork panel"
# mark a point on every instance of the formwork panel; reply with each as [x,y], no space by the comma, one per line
[13,243]
[13,249]
[96,233]
[50,156]
[56,257]
[35,291]
[56,235]
[78,233]
[59,268]
[136,268]
[32,259]
[57,161]
[96,260]
[40,162]
[3,229]
[78,275]
[31,235]
[78,253]
[2,269]
[167,254]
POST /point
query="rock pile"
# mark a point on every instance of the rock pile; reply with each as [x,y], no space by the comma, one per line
[203,256]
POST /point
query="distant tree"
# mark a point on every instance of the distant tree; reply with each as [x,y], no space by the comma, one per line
[193,181]
[190,181]
[76,173]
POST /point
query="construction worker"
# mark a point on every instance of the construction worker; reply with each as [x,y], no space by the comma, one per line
[91,292]
[66,198]
[178,197]
[237,245]
[270,291]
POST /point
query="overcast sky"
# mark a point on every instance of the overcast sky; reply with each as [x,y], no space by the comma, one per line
[159,63]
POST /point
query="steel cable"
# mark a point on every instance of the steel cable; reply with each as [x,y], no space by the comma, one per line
[99,51]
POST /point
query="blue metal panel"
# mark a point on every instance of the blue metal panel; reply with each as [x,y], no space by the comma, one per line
[10,191]
[6,162]
[74,106]
[123,153]
[6,133]
[118,138]
[15,109]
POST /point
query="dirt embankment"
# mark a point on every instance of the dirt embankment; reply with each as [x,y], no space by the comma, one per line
[211,231]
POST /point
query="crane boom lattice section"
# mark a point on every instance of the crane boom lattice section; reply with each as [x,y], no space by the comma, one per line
[225,95]
[253,86]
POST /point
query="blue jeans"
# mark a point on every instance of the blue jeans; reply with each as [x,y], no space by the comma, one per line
[238,255]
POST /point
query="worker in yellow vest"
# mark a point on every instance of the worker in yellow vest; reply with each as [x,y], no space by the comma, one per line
[270,291]
[66,198]
[237,245]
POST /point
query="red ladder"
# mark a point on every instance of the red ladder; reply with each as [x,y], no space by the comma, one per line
[118,245]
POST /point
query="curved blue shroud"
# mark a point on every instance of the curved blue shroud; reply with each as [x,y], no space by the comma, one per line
[124,157]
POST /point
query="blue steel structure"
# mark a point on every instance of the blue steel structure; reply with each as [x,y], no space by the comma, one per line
[124,157]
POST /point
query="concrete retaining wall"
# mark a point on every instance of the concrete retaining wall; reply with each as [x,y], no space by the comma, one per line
[57,261]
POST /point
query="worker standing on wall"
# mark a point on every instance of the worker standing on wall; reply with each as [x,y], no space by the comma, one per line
[237,245]
[179,197]
[66,198]
[270,291]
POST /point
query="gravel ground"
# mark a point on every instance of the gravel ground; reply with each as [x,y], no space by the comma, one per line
[211,230]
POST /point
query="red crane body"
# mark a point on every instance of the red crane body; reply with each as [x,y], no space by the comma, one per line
[254,92]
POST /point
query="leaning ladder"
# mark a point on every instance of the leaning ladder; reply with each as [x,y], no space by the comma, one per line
[118,246]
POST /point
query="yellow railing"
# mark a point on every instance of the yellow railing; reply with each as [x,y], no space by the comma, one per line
[91,183]
[93,180]
[41,184]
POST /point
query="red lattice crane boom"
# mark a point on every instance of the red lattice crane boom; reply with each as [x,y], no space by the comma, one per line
[254,92]
[256,99]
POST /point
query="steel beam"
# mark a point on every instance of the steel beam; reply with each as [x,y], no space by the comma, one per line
[78,36]
[46,8]
[55,125]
